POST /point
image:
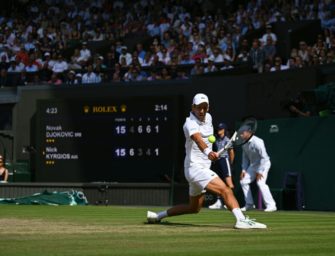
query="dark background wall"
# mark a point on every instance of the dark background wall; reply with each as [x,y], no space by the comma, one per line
[231,97]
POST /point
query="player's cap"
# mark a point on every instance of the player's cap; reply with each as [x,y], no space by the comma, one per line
[222,126]
[245,128]
[200,98]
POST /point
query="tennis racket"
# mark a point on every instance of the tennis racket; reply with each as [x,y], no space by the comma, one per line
[250,125]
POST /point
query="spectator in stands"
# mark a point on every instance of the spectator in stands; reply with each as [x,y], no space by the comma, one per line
[5,54]
[227,64]
[210,66]
[165,74]
[31,67]
[75,61]
[165,58]
[314,60]
[182,28]
[181,75]
[156,62]
[217,55]
[330,57]
[71,78]
[256,56]
[23,79]
[278,66]
[79,78]
[13,67]
[229,54]
[126,56]
[298,63]
[267,34]
[269,49]
[98,35]
[153,75]
[4,63]
[30,44]
[90,77]
[202,55]
[140,51]
[147,61]
[98,65]
[85,53]
[60,65]
[111,59]
[128,76]
[303,51]
[198,68]
[55,80]
[3,171]
[186,59]
[5,80]
[242,57]
[135,59]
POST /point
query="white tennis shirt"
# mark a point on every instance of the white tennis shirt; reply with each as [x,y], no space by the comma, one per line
[191,126]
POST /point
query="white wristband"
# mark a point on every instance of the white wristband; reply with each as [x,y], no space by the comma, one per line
[207,151]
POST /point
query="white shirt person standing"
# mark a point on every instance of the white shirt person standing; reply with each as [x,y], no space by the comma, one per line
[255,166]
[90,77]
[199,155]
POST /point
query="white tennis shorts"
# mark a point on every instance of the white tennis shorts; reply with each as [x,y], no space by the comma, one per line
[198,177]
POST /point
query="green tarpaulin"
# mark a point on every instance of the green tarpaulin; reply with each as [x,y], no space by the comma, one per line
[49,198]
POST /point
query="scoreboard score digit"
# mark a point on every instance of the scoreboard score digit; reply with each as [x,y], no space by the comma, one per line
[114,140]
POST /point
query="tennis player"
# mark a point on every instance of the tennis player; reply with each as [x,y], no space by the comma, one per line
[197,128]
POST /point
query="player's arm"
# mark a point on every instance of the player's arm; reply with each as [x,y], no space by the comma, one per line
[196,137]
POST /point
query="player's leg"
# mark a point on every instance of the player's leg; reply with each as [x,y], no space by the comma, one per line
[269,202]
[194,206]
[249,177]
[216,185]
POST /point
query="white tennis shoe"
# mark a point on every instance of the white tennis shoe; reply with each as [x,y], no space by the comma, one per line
[216,205]
[249,224]
[152,217]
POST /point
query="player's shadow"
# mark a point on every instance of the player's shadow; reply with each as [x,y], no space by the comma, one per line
[187,225]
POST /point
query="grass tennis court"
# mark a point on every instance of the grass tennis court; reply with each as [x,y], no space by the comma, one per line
[112,230]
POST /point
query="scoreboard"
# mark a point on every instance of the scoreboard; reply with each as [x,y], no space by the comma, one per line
[131,139]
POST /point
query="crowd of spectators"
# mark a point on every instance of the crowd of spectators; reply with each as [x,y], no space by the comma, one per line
[52,41]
